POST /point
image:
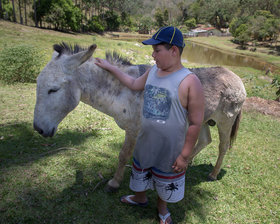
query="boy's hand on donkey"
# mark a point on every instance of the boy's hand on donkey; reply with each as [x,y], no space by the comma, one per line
[103,63]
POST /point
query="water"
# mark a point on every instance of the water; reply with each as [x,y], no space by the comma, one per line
[195,53]
[200,54]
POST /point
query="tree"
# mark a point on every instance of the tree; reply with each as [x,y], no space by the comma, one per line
[25,11]
[35,13]
[242,35]
[19,9]
[57,17]
[1,10]
[161,17]
[63,14]
[14,12]
[264,26]
[41,9]
[95,25]
[7,9]
[112,20]
[190,23]
[236,22]
[145,25]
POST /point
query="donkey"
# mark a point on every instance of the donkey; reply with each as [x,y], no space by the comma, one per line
[72,76]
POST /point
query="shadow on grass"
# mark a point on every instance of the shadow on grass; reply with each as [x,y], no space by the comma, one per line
[85,201]
[20,144]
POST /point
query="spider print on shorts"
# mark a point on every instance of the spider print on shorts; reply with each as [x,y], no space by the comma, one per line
[171,187]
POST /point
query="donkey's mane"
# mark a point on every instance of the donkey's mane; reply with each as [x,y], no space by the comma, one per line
[113,57]
[116,58]
[64,48]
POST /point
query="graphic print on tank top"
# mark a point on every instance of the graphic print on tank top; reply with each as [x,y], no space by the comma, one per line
[157,103]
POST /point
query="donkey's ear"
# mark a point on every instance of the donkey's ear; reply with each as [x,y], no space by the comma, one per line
[55,54]
[76,60]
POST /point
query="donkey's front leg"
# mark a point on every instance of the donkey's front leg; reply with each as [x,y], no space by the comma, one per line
[124,155]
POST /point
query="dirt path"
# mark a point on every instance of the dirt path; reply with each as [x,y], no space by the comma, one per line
[267,107]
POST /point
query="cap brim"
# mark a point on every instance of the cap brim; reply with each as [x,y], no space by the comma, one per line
[151,42]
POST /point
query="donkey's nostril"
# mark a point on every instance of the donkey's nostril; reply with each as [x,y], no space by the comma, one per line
[40,131]
[52,133]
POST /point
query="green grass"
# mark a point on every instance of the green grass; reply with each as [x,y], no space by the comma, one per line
[58,180]
[12,34]
[52,180]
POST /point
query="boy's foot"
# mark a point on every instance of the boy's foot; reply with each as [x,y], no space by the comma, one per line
[165,219]
[128,199]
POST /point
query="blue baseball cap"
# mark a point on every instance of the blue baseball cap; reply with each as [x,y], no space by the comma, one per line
[167,34]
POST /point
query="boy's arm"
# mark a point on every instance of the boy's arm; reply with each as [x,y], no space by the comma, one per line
[127,80]
[195,108]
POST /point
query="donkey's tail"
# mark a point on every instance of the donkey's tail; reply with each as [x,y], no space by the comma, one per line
[234,129]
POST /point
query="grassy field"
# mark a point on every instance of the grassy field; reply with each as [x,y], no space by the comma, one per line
[60,179]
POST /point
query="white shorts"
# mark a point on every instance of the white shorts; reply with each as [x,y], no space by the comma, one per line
[169,186]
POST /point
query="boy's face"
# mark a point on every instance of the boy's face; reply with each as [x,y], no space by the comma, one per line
[162,56]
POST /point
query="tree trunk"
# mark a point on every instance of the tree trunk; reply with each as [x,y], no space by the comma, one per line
[35,14]
[25,12]
[1,10]
[19,8]
[41,22]
[14,12]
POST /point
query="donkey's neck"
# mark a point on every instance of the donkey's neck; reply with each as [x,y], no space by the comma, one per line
[104,92]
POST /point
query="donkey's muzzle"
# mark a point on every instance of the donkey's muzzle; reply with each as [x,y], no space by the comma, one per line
[39,130]
[42,132]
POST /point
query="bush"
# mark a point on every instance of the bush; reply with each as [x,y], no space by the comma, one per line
[276,83]
[95,25]
[190,23]
[21,63]
[7,10]
[112,20]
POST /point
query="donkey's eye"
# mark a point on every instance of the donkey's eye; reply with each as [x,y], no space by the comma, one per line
[52,91]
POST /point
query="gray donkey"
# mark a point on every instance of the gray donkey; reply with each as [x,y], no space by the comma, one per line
[72,76]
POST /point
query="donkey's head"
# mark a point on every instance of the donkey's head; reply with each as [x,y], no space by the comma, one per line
[58,91]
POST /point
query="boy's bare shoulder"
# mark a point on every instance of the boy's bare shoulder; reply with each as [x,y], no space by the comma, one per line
[191,80]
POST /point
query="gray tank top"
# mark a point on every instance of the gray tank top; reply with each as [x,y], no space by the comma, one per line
[164,121]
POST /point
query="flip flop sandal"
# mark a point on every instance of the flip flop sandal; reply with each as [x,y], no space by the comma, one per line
[163,218]
[130,202]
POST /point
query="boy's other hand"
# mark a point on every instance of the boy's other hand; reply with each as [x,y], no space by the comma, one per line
[180,164]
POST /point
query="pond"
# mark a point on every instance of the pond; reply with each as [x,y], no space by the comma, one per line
[203,55]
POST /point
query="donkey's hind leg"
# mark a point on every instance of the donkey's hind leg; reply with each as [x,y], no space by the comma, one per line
[204,139]
[124,156]
[224,129]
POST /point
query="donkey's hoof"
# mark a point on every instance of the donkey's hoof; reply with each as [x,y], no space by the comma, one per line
[110,189]
[211,178]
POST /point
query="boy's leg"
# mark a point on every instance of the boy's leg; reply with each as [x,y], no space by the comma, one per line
[162,210]
[162,206]
[170,188]
[138,197]
[140,181]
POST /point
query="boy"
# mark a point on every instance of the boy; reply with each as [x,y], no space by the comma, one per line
[173,100]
